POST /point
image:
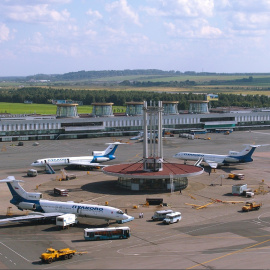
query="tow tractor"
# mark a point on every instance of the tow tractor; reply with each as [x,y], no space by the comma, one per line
[250,206]
[52,254]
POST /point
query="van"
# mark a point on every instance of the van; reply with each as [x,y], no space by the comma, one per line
[160,215]
[172,218]
[32,173]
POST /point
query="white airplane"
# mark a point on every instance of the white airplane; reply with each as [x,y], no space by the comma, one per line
[141,133]
[92,161]
[48,209]
[214,160]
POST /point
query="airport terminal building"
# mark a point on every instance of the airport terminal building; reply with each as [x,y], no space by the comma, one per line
[50,127]
[68,124]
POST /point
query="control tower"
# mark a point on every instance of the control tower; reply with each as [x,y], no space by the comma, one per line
[152,138]
[152,173]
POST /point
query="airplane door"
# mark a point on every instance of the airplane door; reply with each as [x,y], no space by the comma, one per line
[87,212]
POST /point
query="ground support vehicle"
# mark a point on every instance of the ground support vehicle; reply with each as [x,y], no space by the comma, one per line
[161,214]
[236,176]
[172,218]
[66,220]
[250,206]
[52,254]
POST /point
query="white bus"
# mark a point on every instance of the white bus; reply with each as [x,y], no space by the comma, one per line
[172,218]
[160,215]
[107,233]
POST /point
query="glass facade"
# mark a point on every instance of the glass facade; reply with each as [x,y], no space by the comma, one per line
[170,108]
[198,107]
[134,109]
[153,184]
[67,111]
[102,109]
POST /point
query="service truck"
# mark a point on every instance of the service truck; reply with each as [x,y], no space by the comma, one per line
[52,254]
[250,206]
[66,220]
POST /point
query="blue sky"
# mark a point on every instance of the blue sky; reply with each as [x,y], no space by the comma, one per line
[60,36]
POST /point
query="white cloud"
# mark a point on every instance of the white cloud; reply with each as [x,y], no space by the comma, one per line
[251,21]
[4,33]
[36,14]
[94,14]
[208,31]
[122,10]
[194,29]
[182,8]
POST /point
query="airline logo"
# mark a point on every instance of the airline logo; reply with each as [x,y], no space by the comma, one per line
[91,208]
[56,159]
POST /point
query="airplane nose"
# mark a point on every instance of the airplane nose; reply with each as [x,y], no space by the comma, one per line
[127,218]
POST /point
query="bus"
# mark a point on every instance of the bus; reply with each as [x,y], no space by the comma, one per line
[107,233]
[198,131]
[172,218]
[161,214]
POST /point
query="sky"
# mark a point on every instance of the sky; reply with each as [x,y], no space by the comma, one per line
[61,36]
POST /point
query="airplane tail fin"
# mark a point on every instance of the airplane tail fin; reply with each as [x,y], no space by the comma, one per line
[245,154]
[18,193]
[110,150]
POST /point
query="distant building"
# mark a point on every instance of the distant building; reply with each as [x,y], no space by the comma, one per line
[67,110]
[198,106]
[102,109]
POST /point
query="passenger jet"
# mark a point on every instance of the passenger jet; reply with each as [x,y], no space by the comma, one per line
[214,160]
[48,209]
[91,161]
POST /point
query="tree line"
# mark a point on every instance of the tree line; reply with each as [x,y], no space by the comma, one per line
[46,95]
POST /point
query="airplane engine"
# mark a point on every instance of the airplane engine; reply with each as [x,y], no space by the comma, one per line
[101,159]
[26,206]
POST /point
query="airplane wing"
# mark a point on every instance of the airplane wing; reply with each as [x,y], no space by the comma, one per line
[86,163]
[212,164]
[31,216]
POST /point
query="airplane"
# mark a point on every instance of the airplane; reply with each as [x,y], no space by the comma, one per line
[139,137]
[91,161]
[44,209]
[214,160]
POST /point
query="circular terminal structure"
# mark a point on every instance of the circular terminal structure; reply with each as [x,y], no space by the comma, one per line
[134,177]
[67,110]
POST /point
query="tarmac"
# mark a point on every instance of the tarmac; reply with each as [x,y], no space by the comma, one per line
[218,236]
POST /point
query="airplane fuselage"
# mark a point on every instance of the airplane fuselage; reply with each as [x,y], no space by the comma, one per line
[64,161]
[220,159]
[83,210]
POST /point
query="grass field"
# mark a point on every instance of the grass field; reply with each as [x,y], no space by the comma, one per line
[21,108]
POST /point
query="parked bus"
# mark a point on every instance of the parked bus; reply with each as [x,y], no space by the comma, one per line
[160,215]
[198,131]
[224,130]
[107,233]
[172,218]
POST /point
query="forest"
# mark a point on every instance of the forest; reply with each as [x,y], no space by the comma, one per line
[41,95]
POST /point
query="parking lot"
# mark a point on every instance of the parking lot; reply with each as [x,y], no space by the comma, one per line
[218,236]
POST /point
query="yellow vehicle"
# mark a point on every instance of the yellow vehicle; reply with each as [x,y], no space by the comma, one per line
[52,254]
[237,176]
[250,206]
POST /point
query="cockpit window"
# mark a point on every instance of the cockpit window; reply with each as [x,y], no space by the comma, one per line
[120,212]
